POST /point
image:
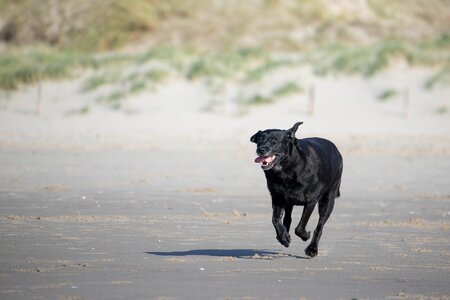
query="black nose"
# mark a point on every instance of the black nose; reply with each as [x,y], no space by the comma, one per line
[262,150]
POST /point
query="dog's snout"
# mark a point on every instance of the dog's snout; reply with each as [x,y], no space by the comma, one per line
[262,150]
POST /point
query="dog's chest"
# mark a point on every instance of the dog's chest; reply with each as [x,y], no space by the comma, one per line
[293,193]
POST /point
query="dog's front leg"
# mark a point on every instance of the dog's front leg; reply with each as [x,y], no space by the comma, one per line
[282,234]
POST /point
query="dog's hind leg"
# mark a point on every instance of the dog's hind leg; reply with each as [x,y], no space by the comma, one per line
[326,205]
[300,230]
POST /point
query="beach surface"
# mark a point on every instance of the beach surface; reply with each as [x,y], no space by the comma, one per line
[163,200]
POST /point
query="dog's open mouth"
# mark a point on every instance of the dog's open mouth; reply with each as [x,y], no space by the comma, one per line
[266,162]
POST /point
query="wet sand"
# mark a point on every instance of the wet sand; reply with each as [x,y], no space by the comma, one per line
[163,201]
[196,224]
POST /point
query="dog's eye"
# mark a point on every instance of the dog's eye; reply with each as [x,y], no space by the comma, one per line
[274,141]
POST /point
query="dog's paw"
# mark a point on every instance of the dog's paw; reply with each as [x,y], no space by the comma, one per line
[284,239]
[303,234]
[311,251]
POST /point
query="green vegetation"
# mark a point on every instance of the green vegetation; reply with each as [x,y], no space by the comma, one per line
[387,94]
[369,60]
[442,77]
[100,80]
[442,110]
[81,111]
[21,66]
[216,42]
[278,93]
[258,100]
[123,84]
[226,64]
[288,89]
[137,79]
[25,67]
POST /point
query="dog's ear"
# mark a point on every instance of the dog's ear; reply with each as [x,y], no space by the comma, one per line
[254,137]
[291,132]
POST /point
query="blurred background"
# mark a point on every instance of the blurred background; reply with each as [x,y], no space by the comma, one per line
[140,70]
[124,133]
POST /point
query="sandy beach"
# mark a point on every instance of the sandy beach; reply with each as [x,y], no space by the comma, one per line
[162,200]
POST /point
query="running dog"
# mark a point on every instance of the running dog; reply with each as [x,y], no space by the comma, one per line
[299,172]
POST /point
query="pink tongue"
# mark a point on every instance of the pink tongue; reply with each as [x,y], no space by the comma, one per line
[261,159]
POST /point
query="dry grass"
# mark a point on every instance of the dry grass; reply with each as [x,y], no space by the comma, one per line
[207,24]
[219,39]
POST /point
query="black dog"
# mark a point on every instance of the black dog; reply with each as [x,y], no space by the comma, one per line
[299,172]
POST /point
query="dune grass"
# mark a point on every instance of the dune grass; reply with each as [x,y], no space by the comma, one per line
[218,40]
[387,94]
[280,92]
[18,67]
[83,25]
[226,64]
[22,66]
[440,78]
[368,60]
[288,89]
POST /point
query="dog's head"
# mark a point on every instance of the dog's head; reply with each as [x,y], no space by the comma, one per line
[273,146]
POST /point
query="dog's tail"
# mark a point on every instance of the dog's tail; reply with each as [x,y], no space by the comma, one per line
[338,190]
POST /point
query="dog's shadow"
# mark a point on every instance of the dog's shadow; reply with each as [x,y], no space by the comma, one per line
[236,253]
